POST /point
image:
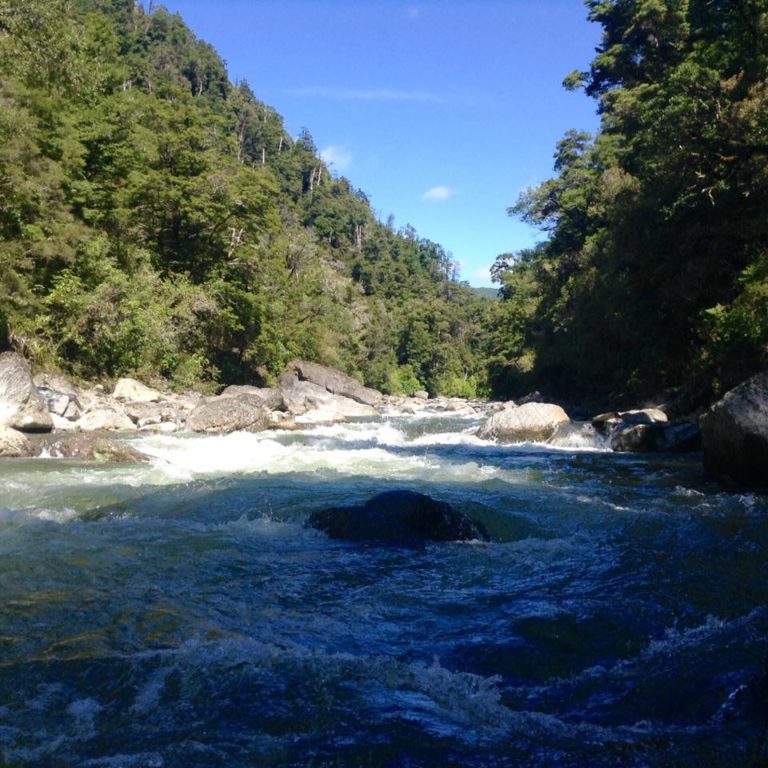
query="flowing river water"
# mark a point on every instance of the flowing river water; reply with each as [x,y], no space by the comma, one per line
[179,613]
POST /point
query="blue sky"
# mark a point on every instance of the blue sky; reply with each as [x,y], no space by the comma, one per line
[441,111]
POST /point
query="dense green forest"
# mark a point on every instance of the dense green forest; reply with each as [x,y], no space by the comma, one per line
[158,220]
[653,274]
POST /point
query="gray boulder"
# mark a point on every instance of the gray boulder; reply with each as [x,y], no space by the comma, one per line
[270,396]
[62,404]
[398,517]
[21,406]
[222,415]
[130,389]
[315,404]
[334,381]
[146,415]
[531,422]
[735,434]
[105,419]
[14,444]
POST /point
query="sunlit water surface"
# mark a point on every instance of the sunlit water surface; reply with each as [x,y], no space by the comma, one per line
[181,614]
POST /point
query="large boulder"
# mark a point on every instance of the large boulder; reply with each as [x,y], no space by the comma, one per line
[222,415]
[270,396]
[105,418]
[398,517]
[657,438]
[531,422]
[300,397]
[21,406]
[735,434]
[334,381]
[14,444]
[134,391]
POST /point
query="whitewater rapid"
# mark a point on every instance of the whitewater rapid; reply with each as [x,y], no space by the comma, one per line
[179,612]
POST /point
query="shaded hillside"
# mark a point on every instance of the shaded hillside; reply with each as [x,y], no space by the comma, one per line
[654,273]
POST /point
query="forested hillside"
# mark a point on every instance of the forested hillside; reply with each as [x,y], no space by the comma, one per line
[158,220]
[654,270]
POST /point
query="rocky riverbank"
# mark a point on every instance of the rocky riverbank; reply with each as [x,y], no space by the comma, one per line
[47,414]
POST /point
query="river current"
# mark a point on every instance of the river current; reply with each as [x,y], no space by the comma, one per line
[180,613]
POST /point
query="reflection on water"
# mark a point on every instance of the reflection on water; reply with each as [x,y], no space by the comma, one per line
[180,613]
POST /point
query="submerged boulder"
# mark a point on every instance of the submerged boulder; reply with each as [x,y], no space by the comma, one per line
[398,517]
[531,422]
[735,434]
[91,447]
[222,415]
[21,406]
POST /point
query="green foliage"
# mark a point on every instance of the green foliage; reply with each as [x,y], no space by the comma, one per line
[650,275]
[156,220]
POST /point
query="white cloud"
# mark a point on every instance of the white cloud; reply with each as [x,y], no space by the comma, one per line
[481,277]
[369,94]
[438,194]
[337,156]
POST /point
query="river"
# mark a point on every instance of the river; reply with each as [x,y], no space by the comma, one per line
[179,613]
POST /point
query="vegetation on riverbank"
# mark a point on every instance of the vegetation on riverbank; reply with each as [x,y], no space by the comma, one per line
[158,220]
[654,270]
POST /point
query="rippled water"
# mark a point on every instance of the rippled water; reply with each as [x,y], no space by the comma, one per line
[180,614]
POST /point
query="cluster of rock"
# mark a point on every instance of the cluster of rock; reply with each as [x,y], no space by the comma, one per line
[51,404]
[733,433]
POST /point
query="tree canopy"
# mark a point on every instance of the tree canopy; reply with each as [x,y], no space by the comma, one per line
[654,272]
[158,220]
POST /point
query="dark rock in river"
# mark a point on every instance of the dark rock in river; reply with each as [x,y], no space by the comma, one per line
[735,434]
[657,438]
[398,517]
[21,407]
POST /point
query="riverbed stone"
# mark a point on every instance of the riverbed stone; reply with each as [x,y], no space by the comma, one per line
[105,419]
[333,381]
[127,388]
[222,415]
[21,406]
[531,422]
[301,397]
[735,434]
[270,397]
[398,517]
[657,438]
[14,444]
[91,447]
[62,404]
